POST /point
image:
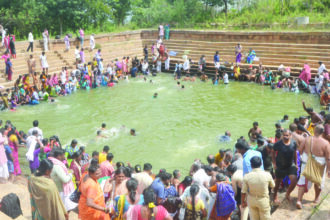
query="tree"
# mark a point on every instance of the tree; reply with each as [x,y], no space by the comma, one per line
[120,9]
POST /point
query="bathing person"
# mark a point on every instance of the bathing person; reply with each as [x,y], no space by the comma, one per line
[254,132]
[132,132]
[320,149]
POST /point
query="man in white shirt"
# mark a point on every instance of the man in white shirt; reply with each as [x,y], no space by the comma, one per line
[77,54]
[200,177]
[321,67]
[30,38]
[35,127]
[144,179]
[92,42]
[145,67]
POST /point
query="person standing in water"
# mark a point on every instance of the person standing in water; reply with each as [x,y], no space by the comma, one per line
[254,132]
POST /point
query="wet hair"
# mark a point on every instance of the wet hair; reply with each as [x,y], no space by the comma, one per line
[293,127]
[120,170]
[194,189]
[255,162]
[260,141]
[147,167]
[278,125]
[187,181]
[164,176]
[270,145]
[57,152]
[220,177]
[76,154]
[232,168]
[208,168]
[149,197]
[278,133]
[103,125]
[94,162]
[131,186]
[242,145]
[95,153]
[309,109]
[35,123]
[106,149]
[74,141]
[210,159]
[176,174]
[109,156]
[98,132]
[286,117]
[119,164]
[137,168]
[93,168]
[128,171]
[255,123]
[45,165]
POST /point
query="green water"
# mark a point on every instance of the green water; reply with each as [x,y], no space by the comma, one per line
[173,129]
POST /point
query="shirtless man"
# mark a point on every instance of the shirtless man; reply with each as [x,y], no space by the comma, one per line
[315,117]
[31,62]
[321,150]
[296,136]
[254,132]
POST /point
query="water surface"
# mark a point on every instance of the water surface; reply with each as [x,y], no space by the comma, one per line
[173,129]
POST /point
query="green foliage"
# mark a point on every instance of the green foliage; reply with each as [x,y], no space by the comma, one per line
[102,16]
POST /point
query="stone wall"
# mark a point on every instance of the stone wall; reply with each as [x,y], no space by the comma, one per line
[262,37]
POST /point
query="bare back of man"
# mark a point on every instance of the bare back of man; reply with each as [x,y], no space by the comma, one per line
[320,149]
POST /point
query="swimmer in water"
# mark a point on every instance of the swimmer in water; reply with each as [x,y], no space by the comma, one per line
[178,83]
[103,126]
[182,87]
[155,95]
[132,132]
[150,81]
[99,135]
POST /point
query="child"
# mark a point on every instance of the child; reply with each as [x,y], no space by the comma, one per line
[155,95]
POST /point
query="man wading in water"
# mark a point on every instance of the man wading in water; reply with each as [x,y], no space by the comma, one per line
[254,132]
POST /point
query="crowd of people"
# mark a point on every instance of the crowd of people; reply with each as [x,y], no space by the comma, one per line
[228,185]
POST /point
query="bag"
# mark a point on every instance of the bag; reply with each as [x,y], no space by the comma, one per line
[75,196]
[313,171]
[11,206]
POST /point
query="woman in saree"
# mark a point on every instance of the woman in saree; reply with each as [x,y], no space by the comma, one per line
[76,168]
[148,211]
[41,186]
[225,202]
[14,145]
[238,53]
[305,74]
[251,56]
[195,208]
[123,202]
[91,202]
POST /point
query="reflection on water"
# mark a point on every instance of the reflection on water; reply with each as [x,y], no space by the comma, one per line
[172,129]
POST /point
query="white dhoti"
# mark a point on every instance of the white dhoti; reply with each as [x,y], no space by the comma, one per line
[68,204]
[167,64]
[4,173]
[303,182]
[45,44]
